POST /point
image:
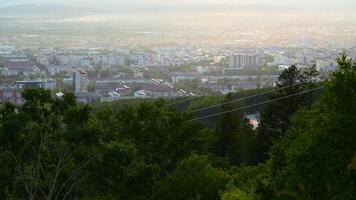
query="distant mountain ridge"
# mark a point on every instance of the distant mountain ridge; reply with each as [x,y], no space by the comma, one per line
[42,10]
[32,9]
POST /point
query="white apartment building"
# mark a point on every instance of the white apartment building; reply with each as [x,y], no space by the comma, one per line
[80,81]
[244,61]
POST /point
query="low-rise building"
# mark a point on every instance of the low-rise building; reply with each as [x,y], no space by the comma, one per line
[142,94]
[184,76]
[160,90]
[16,64]
[11,95]
[32,84]
[244,86]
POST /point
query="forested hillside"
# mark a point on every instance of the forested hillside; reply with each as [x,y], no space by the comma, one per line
[304,147]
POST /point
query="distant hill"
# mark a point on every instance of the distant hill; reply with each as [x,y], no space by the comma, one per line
[43,10]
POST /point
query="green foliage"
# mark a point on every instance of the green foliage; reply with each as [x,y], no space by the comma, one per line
[235,194]
[38,160]
[234,137]
[57,144]
[53,148]
[204,102]
[194,178]
[164,134]
[315,160]
[276,117]
[156,139]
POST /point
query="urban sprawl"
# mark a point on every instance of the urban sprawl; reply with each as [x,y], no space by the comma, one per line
[102,60]
[97,74]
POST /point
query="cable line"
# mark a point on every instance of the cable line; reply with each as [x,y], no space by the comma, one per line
[179,102]
[257,104]
[244,98]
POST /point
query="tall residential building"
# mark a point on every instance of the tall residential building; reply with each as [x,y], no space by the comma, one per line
[244,61]
[139,59]
[164,56]
[80,81]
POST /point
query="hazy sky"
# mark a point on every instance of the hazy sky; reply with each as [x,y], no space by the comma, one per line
[290,3]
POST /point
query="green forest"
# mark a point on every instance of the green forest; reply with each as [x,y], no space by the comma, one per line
[303,149]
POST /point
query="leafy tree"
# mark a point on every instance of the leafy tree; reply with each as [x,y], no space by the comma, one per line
[53,148]
[235,194]
[194,178]
[38,160]
[164,136]
[310,73]
[120,173]
[226,133]
[235,140]
[140,146]
[316,159]
[276,117]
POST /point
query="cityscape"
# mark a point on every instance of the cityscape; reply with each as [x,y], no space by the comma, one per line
[178,100]
[204,52]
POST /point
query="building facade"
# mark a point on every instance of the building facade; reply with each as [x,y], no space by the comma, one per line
[32,84]
[80,81]
[11,95]
[244,61]
[16,64]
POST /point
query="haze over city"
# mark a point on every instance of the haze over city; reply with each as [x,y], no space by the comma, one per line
[301,3]
[178,99]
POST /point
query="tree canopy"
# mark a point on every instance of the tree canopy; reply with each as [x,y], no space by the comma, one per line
[53,148]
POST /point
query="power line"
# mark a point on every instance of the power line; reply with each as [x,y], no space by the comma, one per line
[179,102]
[257,104]
[244,98]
